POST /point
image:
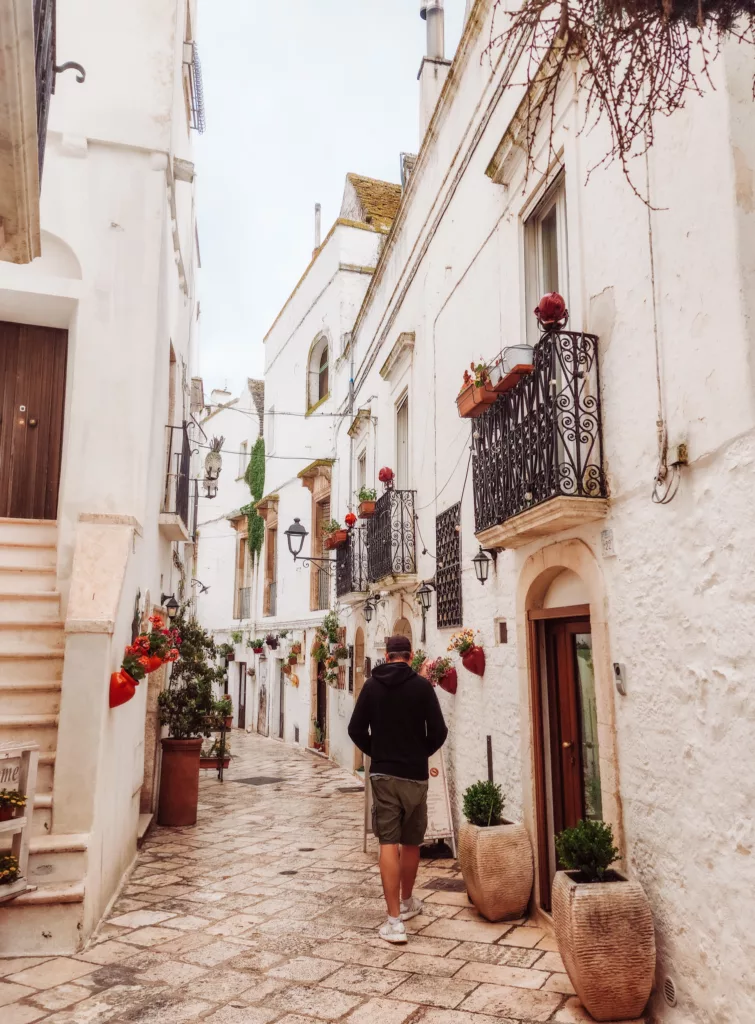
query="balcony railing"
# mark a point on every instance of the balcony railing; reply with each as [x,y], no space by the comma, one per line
[178,477]
[390,536]
[543,439]
[244,603]
[351,564]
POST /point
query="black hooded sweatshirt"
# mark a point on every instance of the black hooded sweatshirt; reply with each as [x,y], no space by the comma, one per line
[397,721]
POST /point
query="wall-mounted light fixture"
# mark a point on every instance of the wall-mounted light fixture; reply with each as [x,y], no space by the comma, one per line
[481,563]
[171,606]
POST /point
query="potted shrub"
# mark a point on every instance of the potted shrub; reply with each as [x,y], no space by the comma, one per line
[9,869]
[184,708]
[224,710]
[475,394]
[472,655]
[441,672]
[272,641]
[293,659]
[335,535]
[603,925]
[367,497]
[237,637]
[226,652]
[495,855]
[319,740]
[257,645]
[11,802]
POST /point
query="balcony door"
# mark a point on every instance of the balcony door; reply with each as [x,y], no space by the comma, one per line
[568,783]
[402,444]
[32,396]
[242,696]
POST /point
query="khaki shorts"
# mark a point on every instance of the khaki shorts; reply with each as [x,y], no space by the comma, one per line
[399,811]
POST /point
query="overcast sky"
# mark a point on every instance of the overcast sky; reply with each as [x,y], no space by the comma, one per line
[297,94]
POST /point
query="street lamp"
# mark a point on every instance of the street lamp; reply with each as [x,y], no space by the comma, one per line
[425,595]
[211,487]
[296,535]
[169,603]
[369,608]
[481,563]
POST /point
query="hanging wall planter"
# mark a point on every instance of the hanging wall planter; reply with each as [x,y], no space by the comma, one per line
[474,661]
[122,688]
[442,673]
[472,655]
[337,539]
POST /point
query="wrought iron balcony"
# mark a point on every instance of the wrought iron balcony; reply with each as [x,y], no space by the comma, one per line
[390,536]
[538,451]
[175,520]
[351,564]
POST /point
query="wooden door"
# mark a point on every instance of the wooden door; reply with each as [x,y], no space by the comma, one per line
[322,700]
[32,398]
[358,684]
[242,696]
[570,728]
[281,700]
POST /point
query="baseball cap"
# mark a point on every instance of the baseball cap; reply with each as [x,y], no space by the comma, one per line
[398,645]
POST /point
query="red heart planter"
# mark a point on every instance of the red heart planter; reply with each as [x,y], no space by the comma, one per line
[450,681]
[474,661]
[122,688]
[152,664]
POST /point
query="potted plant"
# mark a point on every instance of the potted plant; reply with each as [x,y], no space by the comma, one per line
[10,803]
[335,535]
[296,648]
[603,925]
[319,740]
[184,707]
[226,652]
[472,654]
[156,647]
[514,363]
[212,757]
[283,633]
[224,710]
[495,855]
[367,497]
[475,394]
[441,672]
[257,645]
[419,659]
[293,659]
[9,869]
[272,641]
[237,637]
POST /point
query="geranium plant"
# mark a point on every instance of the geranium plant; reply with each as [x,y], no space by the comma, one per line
[189,700]
[479,376]
[8,869]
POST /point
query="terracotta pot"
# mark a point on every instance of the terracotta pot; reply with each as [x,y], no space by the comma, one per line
[450,681]
[473,401]
[6,813]
[179,782]
[497,867]
[508,380]
[366,509]
[474,661]
[605,937]
[214,762]
[229,721]
[152,663]
[122,688]
[336,539]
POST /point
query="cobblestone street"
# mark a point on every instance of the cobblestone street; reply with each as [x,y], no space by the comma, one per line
[266,913]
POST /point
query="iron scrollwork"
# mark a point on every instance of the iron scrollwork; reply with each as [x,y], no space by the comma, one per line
[391,548]
[351,564]
[448,570]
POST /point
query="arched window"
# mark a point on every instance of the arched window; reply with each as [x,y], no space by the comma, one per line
[318,376]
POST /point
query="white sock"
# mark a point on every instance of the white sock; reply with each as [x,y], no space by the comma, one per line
[394,920]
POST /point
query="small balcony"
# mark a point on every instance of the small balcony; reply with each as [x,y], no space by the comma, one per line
[391,550]
[175,518]
[351,564]
[538,450]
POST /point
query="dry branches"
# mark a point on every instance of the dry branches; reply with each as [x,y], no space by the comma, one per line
[637,59]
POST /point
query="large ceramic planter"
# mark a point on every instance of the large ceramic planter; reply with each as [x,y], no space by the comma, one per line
[179,782]
[473,401]
[474,661]
[497,867]
[605,937]
[449,682]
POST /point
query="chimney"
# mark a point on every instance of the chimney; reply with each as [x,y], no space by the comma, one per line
[434,70]
[318,227]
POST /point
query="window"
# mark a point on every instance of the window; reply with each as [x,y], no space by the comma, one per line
[448,570]
[243,457]
[546,252]
[270,602]
[319,579]
[318,377]
[361,471]
[402,444]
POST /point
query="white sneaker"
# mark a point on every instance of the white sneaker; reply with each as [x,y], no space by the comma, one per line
[395,933]
[411,908]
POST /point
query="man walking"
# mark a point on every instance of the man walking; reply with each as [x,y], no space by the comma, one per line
[397,721]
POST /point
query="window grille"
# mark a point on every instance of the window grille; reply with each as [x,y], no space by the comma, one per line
[448,571]
[198,121]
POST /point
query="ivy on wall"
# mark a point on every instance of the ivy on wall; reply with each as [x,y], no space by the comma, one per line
[255,479]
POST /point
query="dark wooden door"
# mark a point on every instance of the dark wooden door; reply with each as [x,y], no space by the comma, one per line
[572,723]
[242,696]
[322,700]
[32,398]
[281,699]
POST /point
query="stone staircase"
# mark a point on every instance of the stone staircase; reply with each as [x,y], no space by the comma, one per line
[31,670]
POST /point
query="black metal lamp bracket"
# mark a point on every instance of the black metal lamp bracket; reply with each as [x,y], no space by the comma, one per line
[71,65]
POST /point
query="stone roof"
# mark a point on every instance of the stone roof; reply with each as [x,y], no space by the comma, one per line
[379,200]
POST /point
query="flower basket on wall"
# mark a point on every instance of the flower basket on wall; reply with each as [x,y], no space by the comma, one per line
[472,655]
[337,539]
[122,688]
[441,673]
[474,661]
[472,401]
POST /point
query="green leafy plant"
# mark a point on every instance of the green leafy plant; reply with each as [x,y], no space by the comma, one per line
[331,527]
[367,494]
[223,707]
[587,848]
[319,734]
[255,481]
[283,633]
[331,625]
[189,698]
[272,641]
[257,644]
[236,636]
[419,659]
[225,650]
[483,804]
[341,653]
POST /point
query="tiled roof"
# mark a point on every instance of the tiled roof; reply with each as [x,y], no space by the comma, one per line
[379,199]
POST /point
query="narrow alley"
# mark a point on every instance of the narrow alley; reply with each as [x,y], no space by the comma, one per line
[266,912]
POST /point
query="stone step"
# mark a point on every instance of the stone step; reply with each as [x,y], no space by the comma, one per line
[41,729]
[57,859]
[29,531]
[20,579]
[27,556]
[30,606]
[30,698]
[46,771]
[32,665]
[17,636]
[52,917]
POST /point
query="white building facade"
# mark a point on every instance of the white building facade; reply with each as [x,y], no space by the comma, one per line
[610,488]
[98,337]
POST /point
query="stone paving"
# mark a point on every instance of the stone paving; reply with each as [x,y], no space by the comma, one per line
[266,913]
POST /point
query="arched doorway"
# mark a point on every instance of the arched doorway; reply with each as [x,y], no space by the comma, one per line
[403,627]
[318,699]
[358,684]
